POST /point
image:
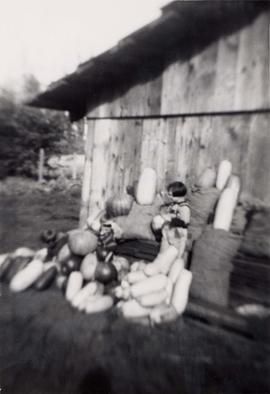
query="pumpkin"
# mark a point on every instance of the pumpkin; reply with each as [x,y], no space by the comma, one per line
[207,178]
[82,242]
[119,205]
[225,208]
[88,266]
[224,172]
[147,187]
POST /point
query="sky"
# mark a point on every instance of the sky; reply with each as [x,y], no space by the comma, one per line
[49,38]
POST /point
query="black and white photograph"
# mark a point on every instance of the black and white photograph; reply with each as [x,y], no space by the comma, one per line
[135,197]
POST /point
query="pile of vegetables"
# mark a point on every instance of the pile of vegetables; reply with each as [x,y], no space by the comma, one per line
[83,266]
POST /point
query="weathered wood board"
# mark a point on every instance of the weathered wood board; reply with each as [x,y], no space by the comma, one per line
[232,74]
[177,148]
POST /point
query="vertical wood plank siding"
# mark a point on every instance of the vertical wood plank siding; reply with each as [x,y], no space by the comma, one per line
[179,148]
[232,74]
[228,76]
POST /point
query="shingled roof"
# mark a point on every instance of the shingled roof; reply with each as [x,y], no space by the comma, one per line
[183,29]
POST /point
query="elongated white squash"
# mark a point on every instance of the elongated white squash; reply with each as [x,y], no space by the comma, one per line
[27,276]
[147,187]
[23,252]
[74,285]
[224,172]
[41,254]
[153,299]
[98,304]
[162,262]
[136,276]
[234,184]
[89,290]
[99,292]
[122,293]
[176,268]
[133,309]
[224,210]
[137,266]
[149,285]
[181,291]
[151,269]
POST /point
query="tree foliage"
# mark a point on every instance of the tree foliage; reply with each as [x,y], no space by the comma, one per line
[24,130]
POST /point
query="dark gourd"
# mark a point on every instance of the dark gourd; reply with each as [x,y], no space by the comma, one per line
[106,271]
[46,279]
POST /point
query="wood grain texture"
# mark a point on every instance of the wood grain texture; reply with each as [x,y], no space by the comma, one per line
[231,74]
[178,149]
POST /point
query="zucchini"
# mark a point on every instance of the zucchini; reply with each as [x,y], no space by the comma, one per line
[27,276]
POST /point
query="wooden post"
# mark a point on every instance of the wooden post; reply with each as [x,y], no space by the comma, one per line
[41,165]
[74,166]
[85,196]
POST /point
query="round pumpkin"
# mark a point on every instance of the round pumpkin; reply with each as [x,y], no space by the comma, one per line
[119,205]
[88,266]
[82,242]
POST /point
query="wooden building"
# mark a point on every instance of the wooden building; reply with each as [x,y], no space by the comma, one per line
[180,94]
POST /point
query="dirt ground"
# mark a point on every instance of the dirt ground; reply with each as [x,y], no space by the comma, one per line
[27,208]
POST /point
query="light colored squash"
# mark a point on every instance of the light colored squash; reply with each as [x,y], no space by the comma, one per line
[181,291]
[136,276]
[153,299]
[224,172]
[87,291]
[74,285]
[234,183]
[207,178]
[64,254]
[98,304]
[23,252]
[27,276]
[41,254]
[176,268]
[225,209]
[88,266]
[147,187]
[162,262]
[149,285]
[133,309]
